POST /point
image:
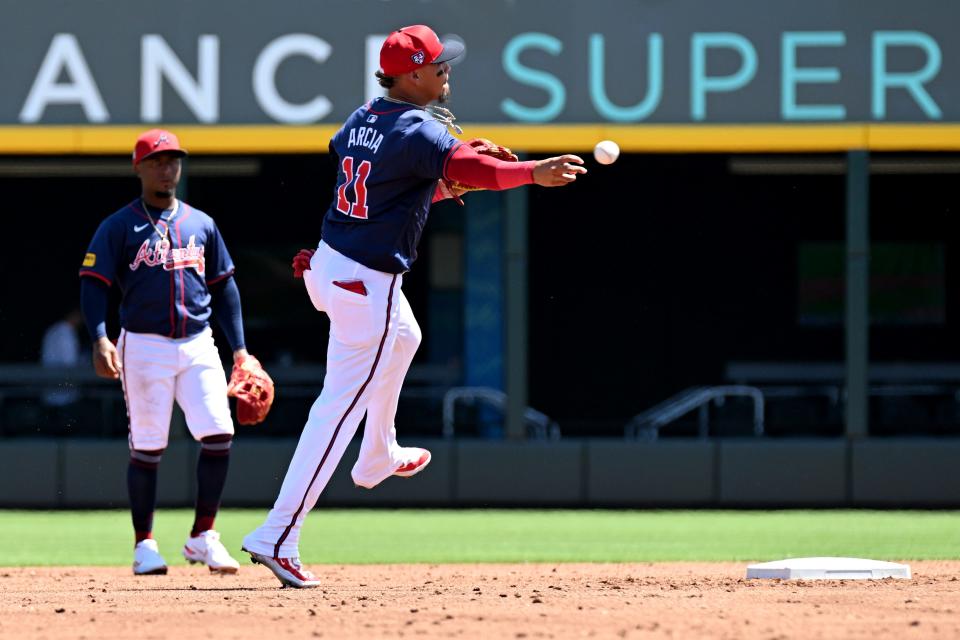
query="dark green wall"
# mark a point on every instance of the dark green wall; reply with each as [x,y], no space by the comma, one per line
[888,473]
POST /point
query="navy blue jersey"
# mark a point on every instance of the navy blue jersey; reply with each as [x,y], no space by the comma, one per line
[390,157]
[163,282]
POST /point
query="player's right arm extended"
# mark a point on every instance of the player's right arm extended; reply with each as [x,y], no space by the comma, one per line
[466,166]
[469,167]
[93,302]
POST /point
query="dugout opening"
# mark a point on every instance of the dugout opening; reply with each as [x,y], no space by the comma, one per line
[649,276]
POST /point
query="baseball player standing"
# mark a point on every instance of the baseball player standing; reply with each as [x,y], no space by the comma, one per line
[173,271]
[394,157]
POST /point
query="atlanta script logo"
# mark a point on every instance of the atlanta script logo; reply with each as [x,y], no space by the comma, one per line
[171,259]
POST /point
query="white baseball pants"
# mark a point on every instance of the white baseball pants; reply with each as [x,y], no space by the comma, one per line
[373,337]
[158,370]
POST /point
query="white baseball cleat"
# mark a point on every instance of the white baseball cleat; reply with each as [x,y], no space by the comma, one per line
[415,467]
[208,549]
[147,560]
[289,571]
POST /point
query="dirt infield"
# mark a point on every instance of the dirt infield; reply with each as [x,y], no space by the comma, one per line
[468,601]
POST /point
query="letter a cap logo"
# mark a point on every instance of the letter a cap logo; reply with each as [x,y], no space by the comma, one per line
[156,141]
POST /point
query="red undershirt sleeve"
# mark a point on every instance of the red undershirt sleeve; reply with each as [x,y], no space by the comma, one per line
[469,167]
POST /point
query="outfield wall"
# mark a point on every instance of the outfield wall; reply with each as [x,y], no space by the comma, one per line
[876,473]
[538,75]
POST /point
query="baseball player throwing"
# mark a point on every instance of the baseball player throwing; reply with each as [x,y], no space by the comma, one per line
[394,157]
[173,271]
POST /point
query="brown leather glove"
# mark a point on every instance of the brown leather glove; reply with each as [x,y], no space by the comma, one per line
[253,389]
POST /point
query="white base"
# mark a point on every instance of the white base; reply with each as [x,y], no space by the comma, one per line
[828,569]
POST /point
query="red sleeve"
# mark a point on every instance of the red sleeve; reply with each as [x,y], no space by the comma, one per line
[469,167]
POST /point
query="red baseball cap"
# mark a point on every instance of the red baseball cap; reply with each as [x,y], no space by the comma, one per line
[155,141]
[409,48]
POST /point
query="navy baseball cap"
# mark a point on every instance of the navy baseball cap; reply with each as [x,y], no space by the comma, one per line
[156,141]
[409,48]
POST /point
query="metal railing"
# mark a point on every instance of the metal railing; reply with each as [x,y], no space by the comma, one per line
[99,408]
[647,425]
[538,425]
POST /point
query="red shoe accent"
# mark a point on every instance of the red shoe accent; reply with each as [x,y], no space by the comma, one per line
[356,286]
[413,466]
[301,575]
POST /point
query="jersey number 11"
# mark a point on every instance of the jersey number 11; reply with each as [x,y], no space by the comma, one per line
[357,208]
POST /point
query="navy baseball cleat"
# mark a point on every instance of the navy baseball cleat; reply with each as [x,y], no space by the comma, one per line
[289,571]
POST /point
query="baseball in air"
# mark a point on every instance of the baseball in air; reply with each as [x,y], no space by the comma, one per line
[606,152]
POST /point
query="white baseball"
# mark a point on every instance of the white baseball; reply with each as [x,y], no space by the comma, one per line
[606,152]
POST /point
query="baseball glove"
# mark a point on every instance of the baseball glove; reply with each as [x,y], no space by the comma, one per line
[252,388]
[487,148]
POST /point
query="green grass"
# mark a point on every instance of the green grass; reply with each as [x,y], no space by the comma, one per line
[426,536]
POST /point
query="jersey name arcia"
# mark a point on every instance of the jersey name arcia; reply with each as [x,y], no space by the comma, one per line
[367,137]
